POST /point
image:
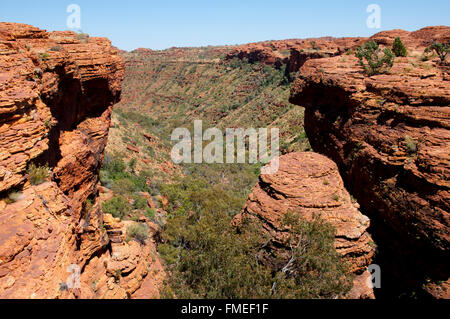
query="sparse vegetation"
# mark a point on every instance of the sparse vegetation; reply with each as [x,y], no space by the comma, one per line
[37,175]
[376,61]
[411,145]
[48,124]
[56,48]
[14,197]
[83,37]
[117,206]
[44,56]
[137,232]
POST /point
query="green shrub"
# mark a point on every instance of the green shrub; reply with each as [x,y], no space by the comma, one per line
[441,49]
[150,213]
[377,62]
[209,259]
[315,270]
[140,202]
[124,186]
[37,175]
[117,206]
[138,232]
[114,167]
[398,48]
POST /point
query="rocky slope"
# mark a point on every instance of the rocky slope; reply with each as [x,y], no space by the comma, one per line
[309,184]
[389,135]
[56,96]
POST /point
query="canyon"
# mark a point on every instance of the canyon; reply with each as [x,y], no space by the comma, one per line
[370,155]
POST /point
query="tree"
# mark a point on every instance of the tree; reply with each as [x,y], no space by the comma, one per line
[398,48]
[441,49]
[377,60]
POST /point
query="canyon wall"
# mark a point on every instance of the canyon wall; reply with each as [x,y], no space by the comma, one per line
[57,91]
[389,135]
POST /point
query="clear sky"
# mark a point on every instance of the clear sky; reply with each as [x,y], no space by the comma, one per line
[131,24]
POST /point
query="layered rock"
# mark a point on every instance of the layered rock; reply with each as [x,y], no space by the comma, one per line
[293,53]
[309,184]
[56,96]
[389,135]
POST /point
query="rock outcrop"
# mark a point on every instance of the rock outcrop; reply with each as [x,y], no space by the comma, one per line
[309,184]
[390,136]
[57,91]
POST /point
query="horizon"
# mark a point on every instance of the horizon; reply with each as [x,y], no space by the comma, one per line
[199,23]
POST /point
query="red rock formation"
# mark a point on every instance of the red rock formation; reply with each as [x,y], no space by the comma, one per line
[56,95]
[390,136]
[309,184]
[293,53]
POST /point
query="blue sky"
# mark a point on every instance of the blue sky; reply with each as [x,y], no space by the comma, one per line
[165,23]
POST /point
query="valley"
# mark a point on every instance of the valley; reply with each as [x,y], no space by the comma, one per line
[87,179]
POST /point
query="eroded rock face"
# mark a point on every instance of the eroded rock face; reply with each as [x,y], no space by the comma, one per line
[389,135]
[308,184]
[56,96]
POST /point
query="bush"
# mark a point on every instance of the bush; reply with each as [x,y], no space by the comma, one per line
[117,206]
[138,232]
[411,145]
[377,61]
[14,197]
[114,167]
[441,49]
[114,175]
[140,202]
[209,259]
[315,270]
[398,48]
[124,186]
[83,37]
[37,175]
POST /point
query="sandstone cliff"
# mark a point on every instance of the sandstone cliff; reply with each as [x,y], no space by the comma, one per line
[389,135]
[56,96]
